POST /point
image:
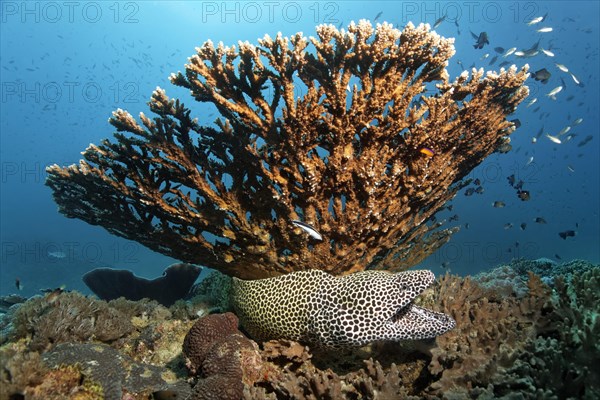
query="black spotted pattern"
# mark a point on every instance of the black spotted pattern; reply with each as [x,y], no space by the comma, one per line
[328,311]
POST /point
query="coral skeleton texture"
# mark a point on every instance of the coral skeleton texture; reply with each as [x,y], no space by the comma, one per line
[357,132]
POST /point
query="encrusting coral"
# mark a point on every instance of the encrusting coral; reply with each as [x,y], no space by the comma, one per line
[366,155]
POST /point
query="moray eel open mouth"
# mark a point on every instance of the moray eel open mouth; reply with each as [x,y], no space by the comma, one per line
[328,311]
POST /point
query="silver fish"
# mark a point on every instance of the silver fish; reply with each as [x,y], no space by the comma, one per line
[312,232]
[547,52]
[553,138]
[545,30]
[554,92]
[562,67]
[536,20]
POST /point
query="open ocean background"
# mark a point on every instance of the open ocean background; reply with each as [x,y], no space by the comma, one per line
[65,66]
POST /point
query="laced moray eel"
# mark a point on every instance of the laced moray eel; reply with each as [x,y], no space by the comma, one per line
[320,309]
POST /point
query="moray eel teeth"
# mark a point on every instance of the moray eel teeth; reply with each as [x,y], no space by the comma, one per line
[327,311]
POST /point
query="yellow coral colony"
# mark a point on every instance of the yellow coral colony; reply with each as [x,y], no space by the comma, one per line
[325,130]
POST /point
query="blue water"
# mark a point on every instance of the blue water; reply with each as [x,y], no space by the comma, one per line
[66,66]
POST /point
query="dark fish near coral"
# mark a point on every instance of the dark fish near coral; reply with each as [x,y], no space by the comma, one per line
[541,75]
[439,21]
[557,257]
[523,195]
[481,40]
[312,232]
[540,220]
[469,192]
[585,141]
[18,284]
[516,122]
[498,204]
[564,235]
[511,180]
[377,16]
[499,50]
[479,190]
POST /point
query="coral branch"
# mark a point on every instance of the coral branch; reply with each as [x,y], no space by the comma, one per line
[364,139]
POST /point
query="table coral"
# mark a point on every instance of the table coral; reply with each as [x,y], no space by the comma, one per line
[364,138]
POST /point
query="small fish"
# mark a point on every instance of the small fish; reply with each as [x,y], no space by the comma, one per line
[577,121]
[312,232]
[540,220]
[519,53]
[467,225]
[557,257]
[554,92]
[377,16]
[511,180]
[427,152]
[529,161]
[523,195]
[439,21]
[508,225]
[510,51]
[544,30]
[493,60]
[18,284]
[542,75]
[479,190]
[585,141]
[516,122]
[453,218]
[498,204]
[575,79]
[547,52]
[561,67]
[532,102]
[57,254]
[445,264]
[571,169]
[523,226]
[534,140]
[477,182]
[481,40]
[564,130]
[499,50]
[537,20]
[564,235]
[553,139]
[469,192]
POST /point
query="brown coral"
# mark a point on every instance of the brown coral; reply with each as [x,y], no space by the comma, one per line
[203,335]
[223,357]
[489,335]
[365,155]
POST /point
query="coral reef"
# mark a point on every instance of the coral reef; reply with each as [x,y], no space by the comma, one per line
[540,344]
[366,155]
